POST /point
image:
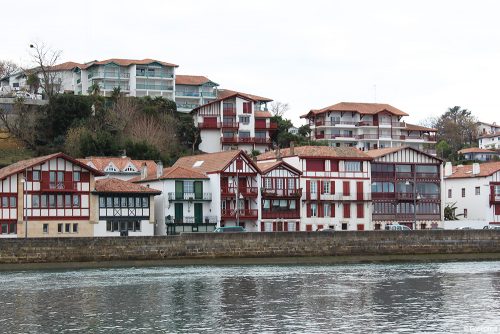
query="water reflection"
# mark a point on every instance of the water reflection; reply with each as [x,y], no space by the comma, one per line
[369,298]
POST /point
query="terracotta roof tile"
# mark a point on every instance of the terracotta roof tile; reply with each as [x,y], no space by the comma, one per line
[121,163]
[492,135]
[23,164]
[265,167]
[362,108]
[263,114]
[485,169]
[69,65]
[127,62]
[413,127]
[194,80]
[224,93]
[174,172]
[388,150]
[475,150]
[318,151]
[112,185]
[211,162]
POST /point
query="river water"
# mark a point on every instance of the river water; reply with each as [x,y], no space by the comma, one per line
[359,298]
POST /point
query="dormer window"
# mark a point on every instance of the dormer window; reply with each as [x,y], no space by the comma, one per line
[130,169]
[111,169]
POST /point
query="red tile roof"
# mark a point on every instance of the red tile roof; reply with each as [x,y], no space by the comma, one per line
[69,65]
[224,93]
[318,151]
[194,80]
[361,108]
[174,172]
[23,164]
[121,163]
[128,62]
[384,151]
[263,114]
[475,150]
[413,127]
[486,169]
[265,167]
[492,135]
[212,162]
[112,185]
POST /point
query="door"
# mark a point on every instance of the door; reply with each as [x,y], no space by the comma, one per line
[179,214]
[198,213]
[359,191]
[179,190]
[198,189]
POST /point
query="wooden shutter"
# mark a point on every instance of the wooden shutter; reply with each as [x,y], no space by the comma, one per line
[320,183]
[274,226]
[285,226]
[262,226]
[308,190]
[347,210]
[297,226]
[320,210]
[359,191]
[308,209]
[360,210]
[497,209]
[332,187]
[346,189]
[332,209]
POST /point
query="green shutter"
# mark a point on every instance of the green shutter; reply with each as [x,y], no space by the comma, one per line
[179,189]
[179,214]
[198,189]
[198,213]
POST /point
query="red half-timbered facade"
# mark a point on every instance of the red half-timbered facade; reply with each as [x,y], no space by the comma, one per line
[47,196]
[280,197]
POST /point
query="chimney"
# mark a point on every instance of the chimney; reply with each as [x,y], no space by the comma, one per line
[124,153]
[144,171]
[448,170]
[476,169]
[292,148]
[159,169]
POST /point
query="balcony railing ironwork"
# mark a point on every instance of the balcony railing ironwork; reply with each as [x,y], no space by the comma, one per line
[243,191]
[184,196]
[288,214]
[281,192]
[58,186]
[241,213]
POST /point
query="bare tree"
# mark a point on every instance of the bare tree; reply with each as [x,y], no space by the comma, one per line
[7,68]
[22,122]
[279,108]
[45,59]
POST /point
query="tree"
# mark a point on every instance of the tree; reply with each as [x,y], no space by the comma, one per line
[279,108]
[443,150]
[449,212]
[33,81]
[45,59]
[7,68]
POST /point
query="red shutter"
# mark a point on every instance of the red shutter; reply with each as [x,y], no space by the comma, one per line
[361,227]
[320,227]
[274,226]
[308,190]
[309,228]
[334,165]
[308,209]
[320,183]
[297,226]
[346,189]
[29,176]
[262,226]
[315,165]
[497,209]
[320,210]
[359,191]
[361,210]
[332,187]
[85,177]
[285,226]
[347,210]
[332,209]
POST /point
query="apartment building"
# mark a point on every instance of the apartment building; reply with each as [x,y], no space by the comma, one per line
[489,141]
[280,192]
[234,183]
[192,91]
[478,154]
[336,183]
[47,196]
[474,190]
[367,126]
[123,168]
[487,128]
[235,121]
[185,204]
[406,188]
[125,208]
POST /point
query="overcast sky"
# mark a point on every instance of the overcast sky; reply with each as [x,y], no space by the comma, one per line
[421,56]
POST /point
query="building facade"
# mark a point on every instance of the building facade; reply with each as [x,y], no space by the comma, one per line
[367,126]
[335,183]
[487,128]
[478,154]
[489,141]
[234,121]
[406,188]
[123,168]
[192,91]
[474,193]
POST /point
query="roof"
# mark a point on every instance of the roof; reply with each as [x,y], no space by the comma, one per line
[377,153]
[175,172]
[413,127]
[194,80]
[121,163]
[485,169]
[128,62]
[361,108]
[265,167]
[224,93]
[475,150]
[489,124]
[211,162]
[318,151]
[69,65]
[263,114]
[223,99]
[112,185]
[23,164]
[492,135]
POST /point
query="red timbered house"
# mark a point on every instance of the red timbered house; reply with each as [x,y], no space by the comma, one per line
[47,196]
[280,197]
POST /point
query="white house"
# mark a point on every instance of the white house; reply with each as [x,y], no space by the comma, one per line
[489,141]
[478,154]
[192,91]
[487,128]
[475,192]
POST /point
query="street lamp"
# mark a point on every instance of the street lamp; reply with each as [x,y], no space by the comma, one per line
[416,198]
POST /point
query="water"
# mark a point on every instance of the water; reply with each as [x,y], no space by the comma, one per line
[364,298]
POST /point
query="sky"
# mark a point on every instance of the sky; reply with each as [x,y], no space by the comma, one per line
[419,56]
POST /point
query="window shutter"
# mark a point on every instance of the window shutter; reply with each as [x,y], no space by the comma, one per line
[332,209]
[346,189]
[308,209]
[347,210]
[361,210]
[497,209]
[285,226]
[297,226]
[274,226]
[320,210]
[308,189]
[320,183]
[262,226]
[332,187]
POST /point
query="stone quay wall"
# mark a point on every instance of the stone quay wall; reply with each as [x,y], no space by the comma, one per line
[248,245]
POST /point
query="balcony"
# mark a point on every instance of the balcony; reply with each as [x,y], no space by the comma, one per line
[414,138]
[383,175]
[434,176]
[150,74]
[245,140]
[189,106]
[209,94]
[229,111]
[109,75]
[209,125]
[266,126]
[241,213]
[191,220]
[271,193]
[230,125]
[187,93]
[418,196]
[339,196]
[243,191]
[367,136]
[289,214]
[183,196]
[494,198]
[398,124]
[335,123]
[58,186]
[405,216]
[153,87]
[262,140]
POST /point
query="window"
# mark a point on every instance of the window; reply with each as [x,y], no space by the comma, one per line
[344,226]
[123,202]
[43,201]
[268,183]
[353,166]
[102,202]
[5,202]
[52,201]
[67,201]
[109,202]
[188,186]
[465,213]
[463,192]
[291,184]
[35,200]
[60,201]
[326,210]
[382,187]
[279,183]
[314,210]
[326,187]
[347,210]
[13,201]
[145,202]
[76,201]
[130,169]
[75,228]
[59,228]
[247,107]
[244,119]
[313,187]
[478,190]
[449,193]
[76,176]
[36,175]
[45,228]
[67,228]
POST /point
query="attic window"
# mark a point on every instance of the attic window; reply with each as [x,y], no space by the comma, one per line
[130,169]
[111,169]
[198,163]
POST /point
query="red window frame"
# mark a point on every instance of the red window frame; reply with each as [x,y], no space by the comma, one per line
[360,209]
[347,210]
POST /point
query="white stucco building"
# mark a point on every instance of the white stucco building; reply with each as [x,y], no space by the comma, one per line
[475,192]
[489,141]
[192,91]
